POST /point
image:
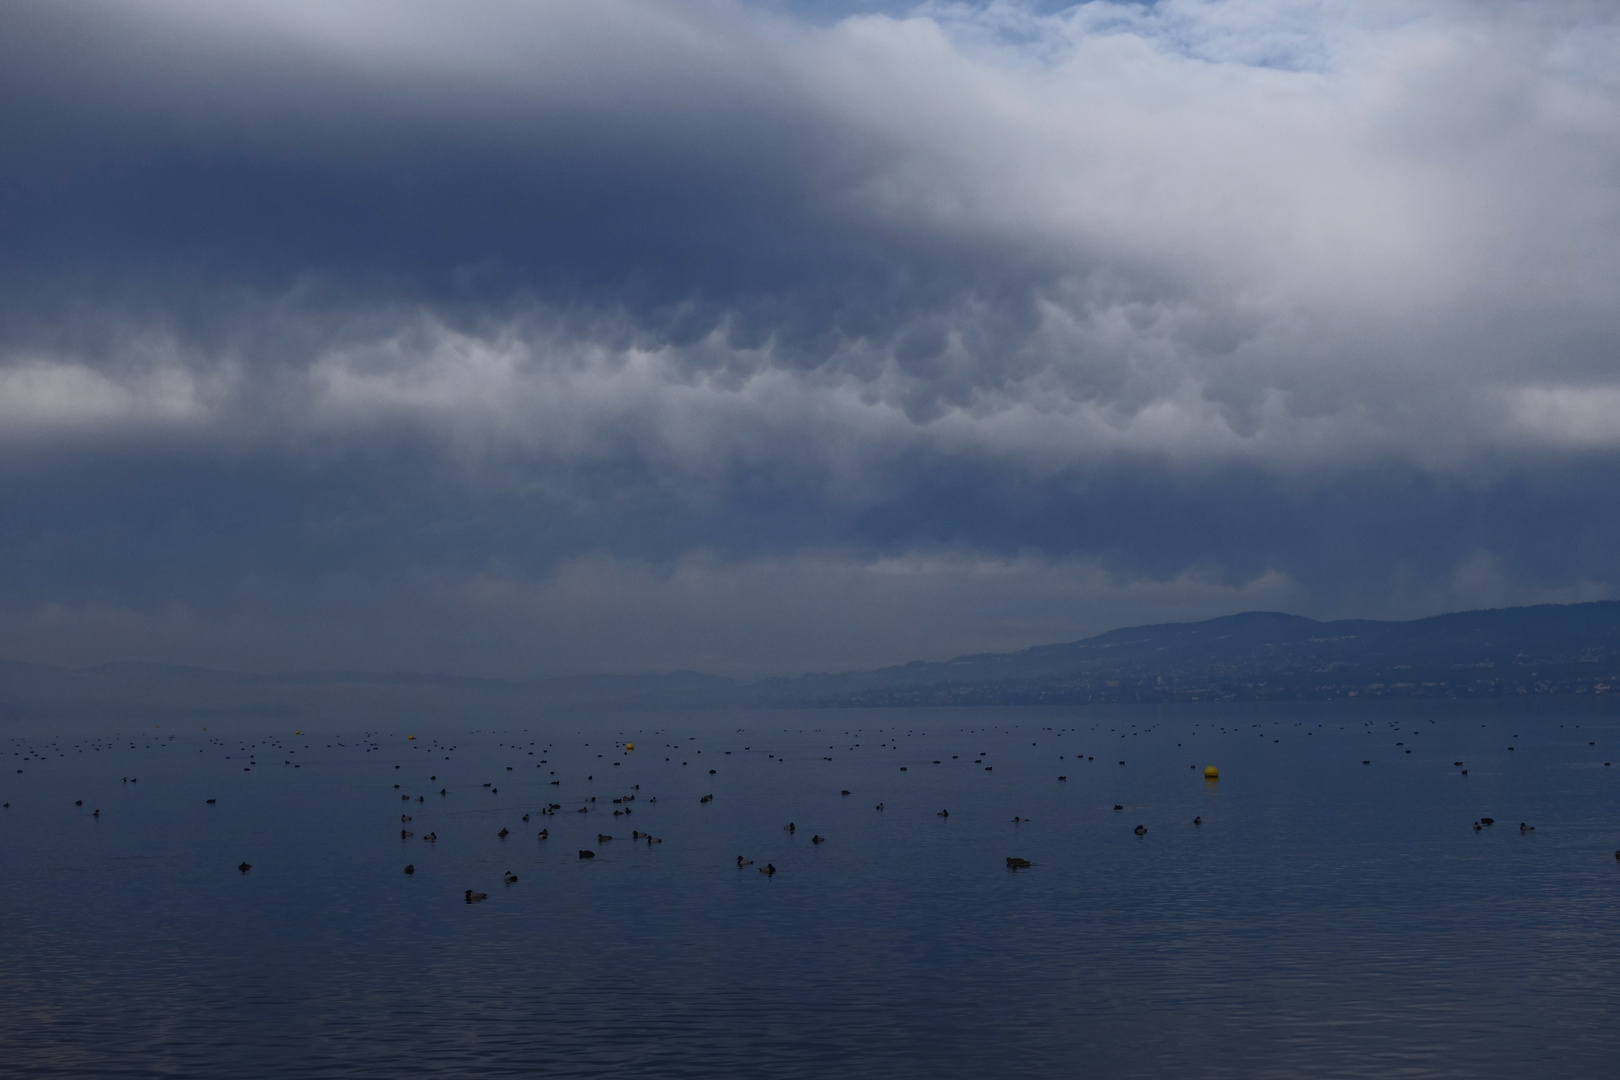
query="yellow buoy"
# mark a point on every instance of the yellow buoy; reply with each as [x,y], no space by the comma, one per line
[629,746]
[410,736]
[1211,773]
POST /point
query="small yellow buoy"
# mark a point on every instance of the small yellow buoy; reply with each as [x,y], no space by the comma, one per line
[1211,773]
[410,736]
[629,746]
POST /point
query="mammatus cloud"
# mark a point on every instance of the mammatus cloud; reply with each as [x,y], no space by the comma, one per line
[1134,296]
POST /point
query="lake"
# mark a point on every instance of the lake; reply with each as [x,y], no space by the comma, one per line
[1335,913]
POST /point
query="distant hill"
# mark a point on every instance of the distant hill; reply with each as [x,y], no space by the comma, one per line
[1547,650]
[1268,656]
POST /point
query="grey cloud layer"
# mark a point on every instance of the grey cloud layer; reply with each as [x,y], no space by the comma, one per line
[1306,292]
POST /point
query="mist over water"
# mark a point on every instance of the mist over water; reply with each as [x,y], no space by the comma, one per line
[1327,918]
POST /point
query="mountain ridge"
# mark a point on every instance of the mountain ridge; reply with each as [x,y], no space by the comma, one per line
[1256,655]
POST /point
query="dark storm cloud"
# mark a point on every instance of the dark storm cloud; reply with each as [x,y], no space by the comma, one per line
[168,165]
[734,317]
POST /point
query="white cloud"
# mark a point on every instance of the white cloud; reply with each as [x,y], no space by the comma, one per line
[1567,417]
[42,397]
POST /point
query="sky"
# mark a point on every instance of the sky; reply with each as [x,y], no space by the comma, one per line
[544,338]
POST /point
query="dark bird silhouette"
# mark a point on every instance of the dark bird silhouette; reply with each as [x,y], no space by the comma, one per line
[1198,820]
[818,839]
[543,834]
[474,897]
[742,862]
[843,792]
[245,867]
[1014,863]
[790,827]
[404,817]
[1526,828]
[410,868]
[767,869]
[78,802]
[211,802]
[602,838]
[503,834]
[509,877]
[405,834]
[943,813]
[880,806]
[1487,821]
[430,837]
[1140,830]
[1118,807]
[586,854]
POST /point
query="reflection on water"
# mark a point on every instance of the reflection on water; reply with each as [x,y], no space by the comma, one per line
[1327,918]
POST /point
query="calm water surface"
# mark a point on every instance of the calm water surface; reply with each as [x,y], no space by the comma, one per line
[1328,918]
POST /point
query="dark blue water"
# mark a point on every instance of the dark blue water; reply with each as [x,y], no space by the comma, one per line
[1327,918]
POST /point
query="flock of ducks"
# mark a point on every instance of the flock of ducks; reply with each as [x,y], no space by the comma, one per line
[1013,862]
[622,808]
